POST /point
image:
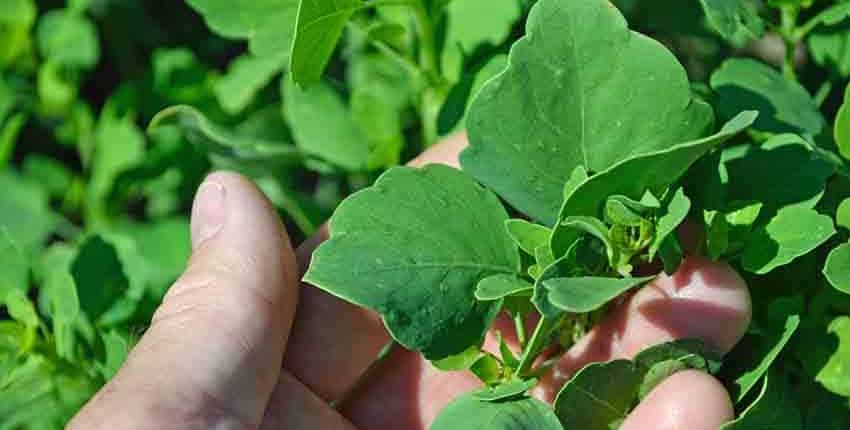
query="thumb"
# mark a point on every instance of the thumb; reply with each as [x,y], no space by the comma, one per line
[213,352]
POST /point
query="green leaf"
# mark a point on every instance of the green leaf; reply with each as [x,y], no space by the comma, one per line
[323,127]
[693,352]
[268,25]
[595,228]
[599,396]
[775,408]
[63,302]
[842,126]
[500,286]
[16,21]
[245,77]
[54,176]
[829,48]
[115,348]
[835,374]
[527,235]
[473,23]
[453,112]
[677,211]
[586,294]
[381,92]
[784,106]
[110,159]
[505,391]
[20,308]
[469,413]
[735,20]
[837,268]
[100,276]
[488,369]
[68,39]
[14,266]
[223,142]
[748,373]
[317,30]
[25,212]
[793,232]
[414,233]
[525,142]
[634,176]
[460,361]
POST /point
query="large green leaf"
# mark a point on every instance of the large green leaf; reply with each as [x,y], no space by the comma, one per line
[323,127]
[627,93]
[413,247]
[735,20]
[317,30]
[634,176]
[599,396]
[269,25]
[469,413]
[793,232]
[784,106]
[580,295]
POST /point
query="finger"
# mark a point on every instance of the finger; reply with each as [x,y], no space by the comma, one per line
[294,407]
[703,299]
[330,334]
[687,400]
[212,354]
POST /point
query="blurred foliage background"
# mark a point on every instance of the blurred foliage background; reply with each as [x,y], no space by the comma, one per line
[94,203]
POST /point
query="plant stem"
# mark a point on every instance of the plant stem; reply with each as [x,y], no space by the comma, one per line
[519,326]
[432,95]
[788,30]
[538,342]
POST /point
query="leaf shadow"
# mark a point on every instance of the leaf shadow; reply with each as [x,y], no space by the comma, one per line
[738,99]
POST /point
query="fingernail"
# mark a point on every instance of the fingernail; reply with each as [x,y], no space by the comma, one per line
[209,212]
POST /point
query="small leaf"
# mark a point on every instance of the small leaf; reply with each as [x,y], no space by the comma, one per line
[468,413]
[735,20]
[774,408]
[488,369]
[21,309]
[218,140]
[116,349]
[413,247]
[527,235]
[671,254]
[14,265]
[461,361]
[842,215]
[68,39]
[323,127]
[784,106]
[595,228]
[505,391]
[317,30]
[835,374]
[580,295]
[837,268]
[500,286]
[842,126]
[269,25]
[793,232]
[768,348]
[634,176]
[676,212]
[245,77]
[598,396]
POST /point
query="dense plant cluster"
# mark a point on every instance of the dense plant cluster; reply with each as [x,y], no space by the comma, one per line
[596,130]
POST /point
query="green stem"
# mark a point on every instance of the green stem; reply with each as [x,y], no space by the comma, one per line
[432,95]
[788,30]
[519,326]
[536,345]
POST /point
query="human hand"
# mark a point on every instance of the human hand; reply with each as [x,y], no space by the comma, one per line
[212,355]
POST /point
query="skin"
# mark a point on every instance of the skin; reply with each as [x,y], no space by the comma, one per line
[239,343]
